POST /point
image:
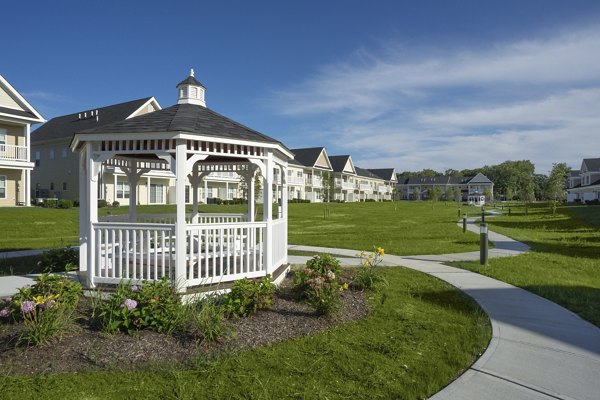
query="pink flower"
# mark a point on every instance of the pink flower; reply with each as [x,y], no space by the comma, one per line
[136,288]
[129,303]
[330,275]
[5,312]
[27,307]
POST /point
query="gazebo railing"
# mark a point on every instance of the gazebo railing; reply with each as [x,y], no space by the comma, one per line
[125,251]
[279,248]
[224,252]
[203,218]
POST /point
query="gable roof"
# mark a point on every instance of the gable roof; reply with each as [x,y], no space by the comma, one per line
[15,105]
[308,157]
[339,163]
[185,118]
[480,178]
[388,174]
[64,127]
[366,173]
[592,164]
[428,180]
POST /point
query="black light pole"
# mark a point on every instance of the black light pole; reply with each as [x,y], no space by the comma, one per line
[483,214]
[483,248]
[464,222]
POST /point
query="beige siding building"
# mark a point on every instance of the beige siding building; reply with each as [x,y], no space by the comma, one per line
[16,118]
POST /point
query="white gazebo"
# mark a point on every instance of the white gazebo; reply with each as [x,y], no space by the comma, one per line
[193,249]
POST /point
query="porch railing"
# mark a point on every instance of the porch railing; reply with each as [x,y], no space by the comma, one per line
[12,152]
[279,248]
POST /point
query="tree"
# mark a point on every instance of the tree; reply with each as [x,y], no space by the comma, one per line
[417,193]
[556,183]
[487,193]
[509,194]
[449,193]
[457,194]
[328,187]
[451,172]
[435,193]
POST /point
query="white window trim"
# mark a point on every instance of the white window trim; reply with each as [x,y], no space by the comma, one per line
[4,179]
[3,135]
[123,185]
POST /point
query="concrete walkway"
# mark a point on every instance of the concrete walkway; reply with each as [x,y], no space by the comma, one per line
[539,350]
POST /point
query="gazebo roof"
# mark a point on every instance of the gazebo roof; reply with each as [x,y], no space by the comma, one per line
[186,118]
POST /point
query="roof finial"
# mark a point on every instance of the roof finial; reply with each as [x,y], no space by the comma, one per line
[191,72]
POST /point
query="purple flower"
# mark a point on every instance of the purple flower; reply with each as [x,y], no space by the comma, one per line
[4,312]
[129,303]
[27,306]
[48,304]
[136,288]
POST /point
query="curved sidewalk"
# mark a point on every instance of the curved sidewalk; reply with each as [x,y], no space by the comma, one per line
[539,350]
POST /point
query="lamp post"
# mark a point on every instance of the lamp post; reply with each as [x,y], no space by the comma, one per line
[483,248]
[483,214]
[464,222]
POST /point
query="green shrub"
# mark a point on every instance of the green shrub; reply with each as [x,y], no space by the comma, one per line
[318,284]
[59,260]
[298,201]
[45,309]
[207,319]
[115,204]
[248,296]
[76,203]
[50,203]
[154,305]
[65,204]
[102,203]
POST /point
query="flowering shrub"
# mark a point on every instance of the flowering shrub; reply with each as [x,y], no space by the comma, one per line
[367,276]
[248,296]
[318,284]
[153,305]
[45,309]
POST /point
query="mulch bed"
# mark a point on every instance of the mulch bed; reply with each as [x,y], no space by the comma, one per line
[87,349]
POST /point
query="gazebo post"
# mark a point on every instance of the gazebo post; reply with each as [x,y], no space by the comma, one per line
[92,210]
[194,179]
[84,221]
[284,204]
[268,211]
[251,192]
[180,224]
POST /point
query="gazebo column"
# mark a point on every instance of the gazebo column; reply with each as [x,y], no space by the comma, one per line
[268,211]
[248,176]
[195,178]
[84,220]
[284,206]
[180,224]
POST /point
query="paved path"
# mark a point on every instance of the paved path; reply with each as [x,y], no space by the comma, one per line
[539,350]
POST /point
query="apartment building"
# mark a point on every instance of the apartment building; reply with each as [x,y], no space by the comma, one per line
[16,118]
[584,185]
[472,189]
[306,173]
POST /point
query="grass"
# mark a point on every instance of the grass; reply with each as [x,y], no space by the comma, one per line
[20,265]
[564,264]
[402,228]
[421,334]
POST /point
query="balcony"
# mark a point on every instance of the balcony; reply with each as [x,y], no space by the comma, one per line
[223,175]
[295,180]
[344,185]
[314,182]
[382,189]
[365,187]
[13,153]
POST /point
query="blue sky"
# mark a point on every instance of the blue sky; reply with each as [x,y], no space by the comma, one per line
[404,84]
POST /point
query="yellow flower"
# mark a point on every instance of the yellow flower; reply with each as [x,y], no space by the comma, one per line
[345,286]
[380,251]
[39,299]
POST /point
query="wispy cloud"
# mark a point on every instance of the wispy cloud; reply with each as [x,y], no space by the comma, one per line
[534,99]
[44,96]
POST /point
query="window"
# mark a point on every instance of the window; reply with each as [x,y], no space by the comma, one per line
[64,185]
[64,152]
[230,193]
[38,156]
[3,135]
[51,154]
[122,190]
[156,193]
[2,187]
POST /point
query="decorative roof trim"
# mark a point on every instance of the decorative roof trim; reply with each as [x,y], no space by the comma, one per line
[22,100]
[152,101]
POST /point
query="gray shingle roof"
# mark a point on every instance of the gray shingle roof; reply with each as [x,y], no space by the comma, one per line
[307,157]
[189,118]
[592,164]
[428,180]
[17,113]
[190,80]
[338,162]
[366,173]
[480,178]
[66,125]
[384,173]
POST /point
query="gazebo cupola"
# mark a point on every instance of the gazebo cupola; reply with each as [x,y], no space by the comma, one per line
[191,91]
[187,141]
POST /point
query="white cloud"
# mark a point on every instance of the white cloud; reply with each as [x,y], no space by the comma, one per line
[534,99]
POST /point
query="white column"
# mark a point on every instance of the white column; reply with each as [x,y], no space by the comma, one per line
[133,178]
[27,183]
[84,230]
[115,187]
[180,225]
[268,212]
[284,205]
[205,191]
[251,193]
[147,190]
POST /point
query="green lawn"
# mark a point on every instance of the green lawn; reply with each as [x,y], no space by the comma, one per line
[401,228]
[421,334]
[564,265]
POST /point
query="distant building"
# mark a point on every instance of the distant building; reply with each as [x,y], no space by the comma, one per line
[584,185]
[472,189]
[16,118]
